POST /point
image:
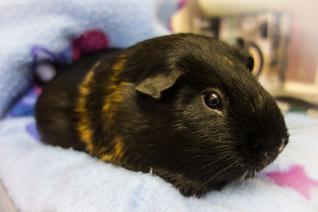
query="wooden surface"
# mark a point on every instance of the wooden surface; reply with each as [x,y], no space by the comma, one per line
[6,204]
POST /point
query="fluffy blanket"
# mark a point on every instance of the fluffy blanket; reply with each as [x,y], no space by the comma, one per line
[45,178]
[70,28]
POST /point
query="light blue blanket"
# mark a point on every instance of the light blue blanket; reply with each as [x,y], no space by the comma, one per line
[45,178]
[54,24]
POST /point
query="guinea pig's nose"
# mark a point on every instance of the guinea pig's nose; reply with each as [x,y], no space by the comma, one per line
[282,145]
[281,148]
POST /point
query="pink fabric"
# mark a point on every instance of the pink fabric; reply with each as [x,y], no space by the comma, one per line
[296,178]
[182,3]
[90,41]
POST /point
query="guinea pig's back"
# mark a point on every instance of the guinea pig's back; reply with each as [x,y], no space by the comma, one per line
[54,111]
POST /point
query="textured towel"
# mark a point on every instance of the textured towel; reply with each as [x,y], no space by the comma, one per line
[45,178]
[53,24]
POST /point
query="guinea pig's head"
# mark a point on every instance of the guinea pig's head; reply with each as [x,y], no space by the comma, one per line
[204,115]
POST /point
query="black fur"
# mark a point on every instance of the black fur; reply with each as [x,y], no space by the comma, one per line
[174,135]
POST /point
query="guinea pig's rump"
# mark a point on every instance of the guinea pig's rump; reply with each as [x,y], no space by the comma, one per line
[54,111]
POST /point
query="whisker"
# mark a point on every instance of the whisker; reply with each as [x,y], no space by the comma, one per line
[243,177]
[213,163]
[302,127]
[219,172]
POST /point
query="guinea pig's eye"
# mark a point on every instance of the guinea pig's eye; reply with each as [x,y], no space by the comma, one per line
[212,100]
[250,63]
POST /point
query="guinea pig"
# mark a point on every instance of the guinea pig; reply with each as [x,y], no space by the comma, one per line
[184,107]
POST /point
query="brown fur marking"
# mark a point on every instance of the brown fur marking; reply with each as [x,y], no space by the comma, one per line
[114,91]
[83,127]
[116,154]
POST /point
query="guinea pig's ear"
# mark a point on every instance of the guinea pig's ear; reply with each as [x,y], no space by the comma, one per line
[248,59]
[156,83]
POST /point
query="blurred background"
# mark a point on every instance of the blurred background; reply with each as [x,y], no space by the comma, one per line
[281,35]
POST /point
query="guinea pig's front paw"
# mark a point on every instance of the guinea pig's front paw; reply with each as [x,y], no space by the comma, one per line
[191,188]
[187,187]
[195,188]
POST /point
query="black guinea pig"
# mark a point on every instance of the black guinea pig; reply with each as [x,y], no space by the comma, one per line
[184,107]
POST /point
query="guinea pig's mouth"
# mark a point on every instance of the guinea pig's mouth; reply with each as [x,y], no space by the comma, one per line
[252,170]
[255,161]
